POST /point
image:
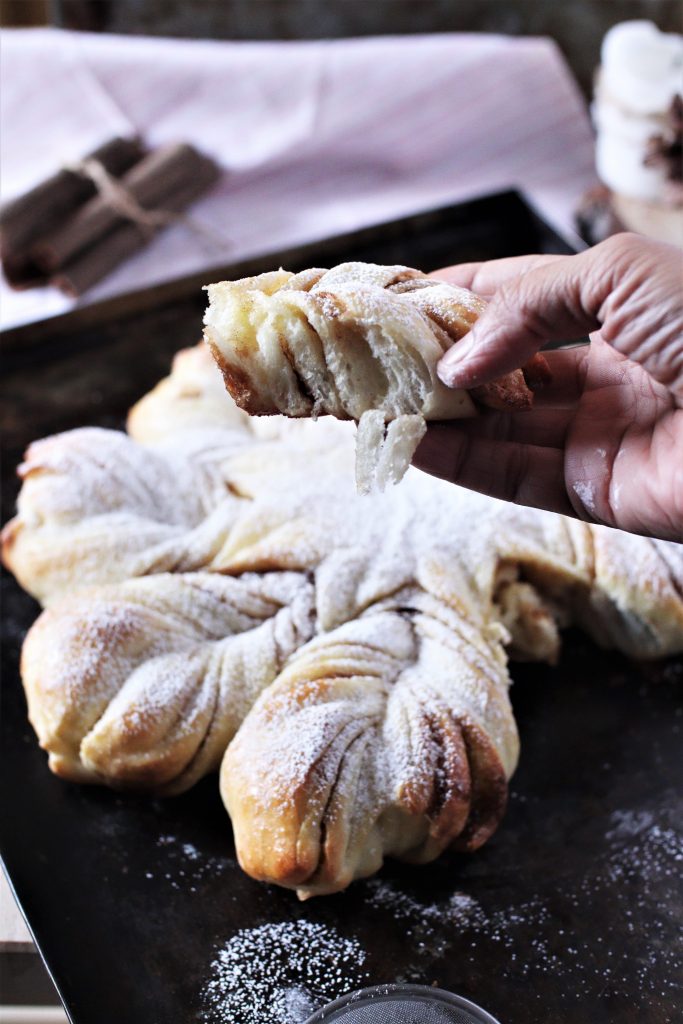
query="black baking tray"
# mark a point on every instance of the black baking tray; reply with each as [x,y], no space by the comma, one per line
[570,914]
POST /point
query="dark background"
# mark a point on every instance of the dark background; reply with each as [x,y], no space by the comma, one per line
[576,25]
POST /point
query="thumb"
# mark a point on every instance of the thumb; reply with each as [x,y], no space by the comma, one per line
[542,306]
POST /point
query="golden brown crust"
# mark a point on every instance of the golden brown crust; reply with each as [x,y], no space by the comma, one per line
[515,391]
[507,394]
[490,791]
[391,748]
[238,384]
[537,373]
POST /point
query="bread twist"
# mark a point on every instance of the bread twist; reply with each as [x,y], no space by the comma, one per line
[95,507]
[361,342]
[389,736]
[143,684]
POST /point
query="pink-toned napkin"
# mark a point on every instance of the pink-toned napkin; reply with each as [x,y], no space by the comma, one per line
[315,138]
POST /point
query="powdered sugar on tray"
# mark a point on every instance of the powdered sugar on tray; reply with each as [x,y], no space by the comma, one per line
[280,973]
[638,878]
[185,867]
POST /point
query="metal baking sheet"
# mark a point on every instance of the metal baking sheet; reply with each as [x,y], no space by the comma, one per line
[570,914]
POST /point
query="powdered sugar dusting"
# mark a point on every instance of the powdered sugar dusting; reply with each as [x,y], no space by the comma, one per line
[173,661]
[639,874]
[168,661]
[374,275]
[585,492]
[185,867]
[159,658]
[280,973]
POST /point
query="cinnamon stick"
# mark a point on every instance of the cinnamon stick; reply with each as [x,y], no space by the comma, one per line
[25,219]
[94,263]
[150,183]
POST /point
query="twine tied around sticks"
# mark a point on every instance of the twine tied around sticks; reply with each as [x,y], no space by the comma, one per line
[124,203]
[121,200]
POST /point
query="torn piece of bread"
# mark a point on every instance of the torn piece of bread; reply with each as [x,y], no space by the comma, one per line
[359,341]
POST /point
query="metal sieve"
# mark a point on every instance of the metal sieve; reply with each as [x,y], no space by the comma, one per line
[401,1004]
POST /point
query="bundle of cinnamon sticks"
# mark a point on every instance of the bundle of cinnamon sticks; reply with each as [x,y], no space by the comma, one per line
[74,228]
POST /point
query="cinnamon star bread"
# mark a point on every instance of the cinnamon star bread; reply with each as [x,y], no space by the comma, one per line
[217,599]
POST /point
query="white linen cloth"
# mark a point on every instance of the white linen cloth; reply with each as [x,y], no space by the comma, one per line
[316,138]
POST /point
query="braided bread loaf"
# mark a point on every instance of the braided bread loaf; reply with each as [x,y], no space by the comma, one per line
[216,598]
[360,341]
[143,684]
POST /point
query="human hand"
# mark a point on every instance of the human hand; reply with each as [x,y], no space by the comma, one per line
[604,440]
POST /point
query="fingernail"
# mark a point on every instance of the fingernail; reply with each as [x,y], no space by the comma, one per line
[457,378]
[452,368]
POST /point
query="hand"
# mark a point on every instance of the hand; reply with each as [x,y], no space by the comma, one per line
[604,440]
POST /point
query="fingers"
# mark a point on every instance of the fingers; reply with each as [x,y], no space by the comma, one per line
[628,291]
[641,309]
[492,452]
[628,286]
[486,278]
[522,473]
